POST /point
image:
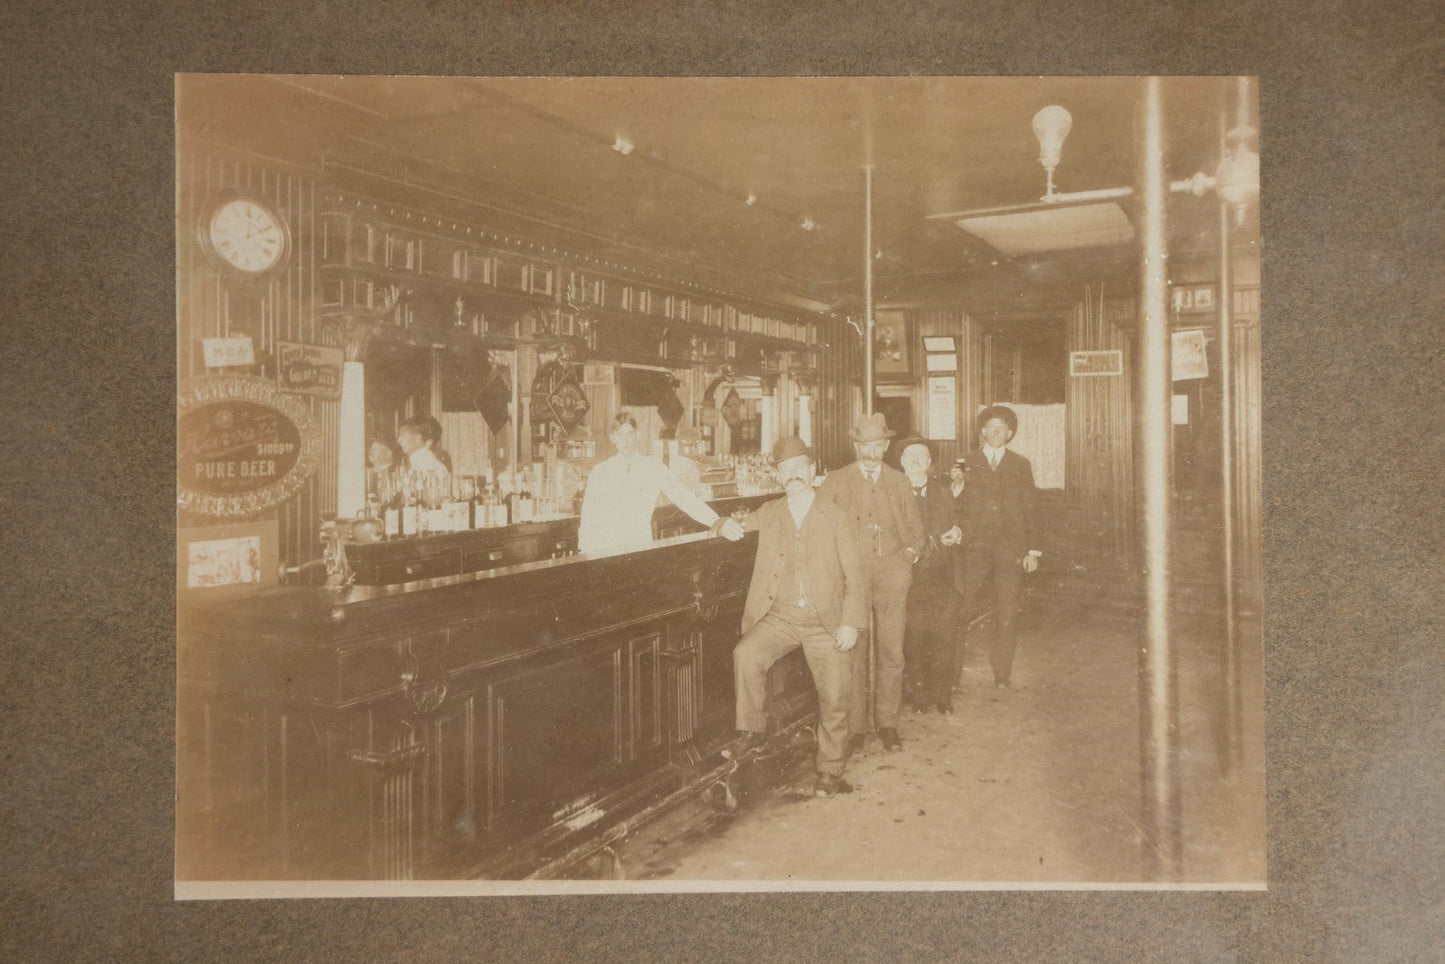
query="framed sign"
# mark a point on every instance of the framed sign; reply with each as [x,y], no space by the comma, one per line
[1188,356]
[221,556]
[1082,363]
[224,352]
[309,369]
[891,344]
[942,407]
[938,343]
[242,446]
[941,363]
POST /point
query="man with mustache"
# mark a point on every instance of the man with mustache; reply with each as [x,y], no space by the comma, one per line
[807,591]
[878,503]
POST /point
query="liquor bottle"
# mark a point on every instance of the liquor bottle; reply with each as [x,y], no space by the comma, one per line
[476,505]
[391,519]
[409,513]
[496,509]
[455,506]
[522,507]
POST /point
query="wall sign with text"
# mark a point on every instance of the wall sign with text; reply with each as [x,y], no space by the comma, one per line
[309,369]
[241,445]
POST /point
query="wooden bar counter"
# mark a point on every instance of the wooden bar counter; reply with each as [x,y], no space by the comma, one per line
[487,724]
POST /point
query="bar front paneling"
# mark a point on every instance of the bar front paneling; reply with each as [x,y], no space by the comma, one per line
[480,724]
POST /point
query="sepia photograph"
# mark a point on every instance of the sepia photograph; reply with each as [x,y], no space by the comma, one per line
[681,484]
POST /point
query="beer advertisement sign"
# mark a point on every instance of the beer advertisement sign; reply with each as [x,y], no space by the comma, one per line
[242,446]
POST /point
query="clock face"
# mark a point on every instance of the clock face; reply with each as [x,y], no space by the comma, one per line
[247,235]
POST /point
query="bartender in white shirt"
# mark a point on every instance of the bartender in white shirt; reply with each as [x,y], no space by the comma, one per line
[622,492]
[418,437]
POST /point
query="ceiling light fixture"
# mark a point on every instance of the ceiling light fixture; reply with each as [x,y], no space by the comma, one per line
[1051,126]
[808,224]
[622,145]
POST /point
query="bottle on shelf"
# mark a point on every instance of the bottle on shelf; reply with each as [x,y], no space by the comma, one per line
[475,504]
[407,522]
[522,507]
[496,507]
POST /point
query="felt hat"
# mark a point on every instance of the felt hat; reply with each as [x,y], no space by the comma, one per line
[999,411]
[902,446]
[871,428]
[789,448]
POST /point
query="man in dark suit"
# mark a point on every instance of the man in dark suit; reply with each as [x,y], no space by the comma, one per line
[930,667]
[998,529]
[807,590]
[878,503]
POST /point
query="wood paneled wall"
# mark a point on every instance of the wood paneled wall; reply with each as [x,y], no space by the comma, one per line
[281,307]
[1099,453]
[840,380]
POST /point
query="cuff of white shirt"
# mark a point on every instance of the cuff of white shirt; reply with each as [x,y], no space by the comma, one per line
[1035,552]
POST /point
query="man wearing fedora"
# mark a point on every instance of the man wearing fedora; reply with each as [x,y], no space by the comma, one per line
[930,656]
[998,529]
[807,591]
[878,503]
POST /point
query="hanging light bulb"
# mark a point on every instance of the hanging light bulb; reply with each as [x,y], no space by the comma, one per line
[1051,126]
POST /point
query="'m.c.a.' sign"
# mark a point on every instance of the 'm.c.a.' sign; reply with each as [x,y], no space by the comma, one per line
[241,445]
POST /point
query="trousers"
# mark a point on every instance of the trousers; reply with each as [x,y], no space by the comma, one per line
[931,652]
[782,630]
[889,578]
[979,563]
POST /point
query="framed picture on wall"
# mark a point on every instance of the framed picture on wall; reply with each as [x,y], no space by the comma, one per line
[892,345]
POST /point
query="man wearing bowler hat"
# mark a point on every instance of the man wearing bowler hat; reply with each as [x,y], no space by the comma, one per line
[807,591]
[879,504]
[998,529]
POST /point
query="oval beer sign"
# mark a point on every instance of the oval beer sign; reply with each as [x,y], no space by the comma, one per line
[241,445]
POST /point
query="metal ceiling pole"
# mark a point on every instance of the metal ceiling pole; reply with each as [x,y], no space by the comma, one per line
[868,288]
[1233,747]
[868,407]
[1158,696]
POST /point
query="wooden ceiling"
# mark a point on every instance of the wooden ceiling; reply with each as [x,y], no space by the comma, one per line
[543,148]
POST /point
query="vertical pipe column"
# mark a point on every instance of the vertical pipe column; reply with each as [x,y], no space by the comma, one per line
[1232,748]
[1158,697]
[868,288]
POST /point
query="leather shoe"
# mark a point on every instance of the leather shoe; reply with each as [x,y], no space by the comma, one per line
[890,739]
[856,742]
[747,742]
[828,785]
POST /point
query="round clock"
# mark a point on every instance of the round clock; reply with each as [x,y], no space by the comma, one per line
[248,235]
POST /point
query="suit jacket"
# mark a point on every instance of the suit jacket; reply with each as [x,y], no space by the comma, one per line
[844,488]
[832,567]
[939,514]
[998,504]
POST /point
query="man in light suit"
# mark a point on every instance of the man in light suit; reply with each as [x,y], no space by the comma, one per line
[998,529]
[807,591]
[879,504]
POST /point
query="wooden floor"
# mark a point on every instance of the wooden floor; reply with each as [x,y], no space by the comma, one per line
[1037,785]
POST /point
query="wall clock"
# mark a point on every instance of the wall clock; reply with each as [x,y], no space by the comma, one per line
[247,235]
